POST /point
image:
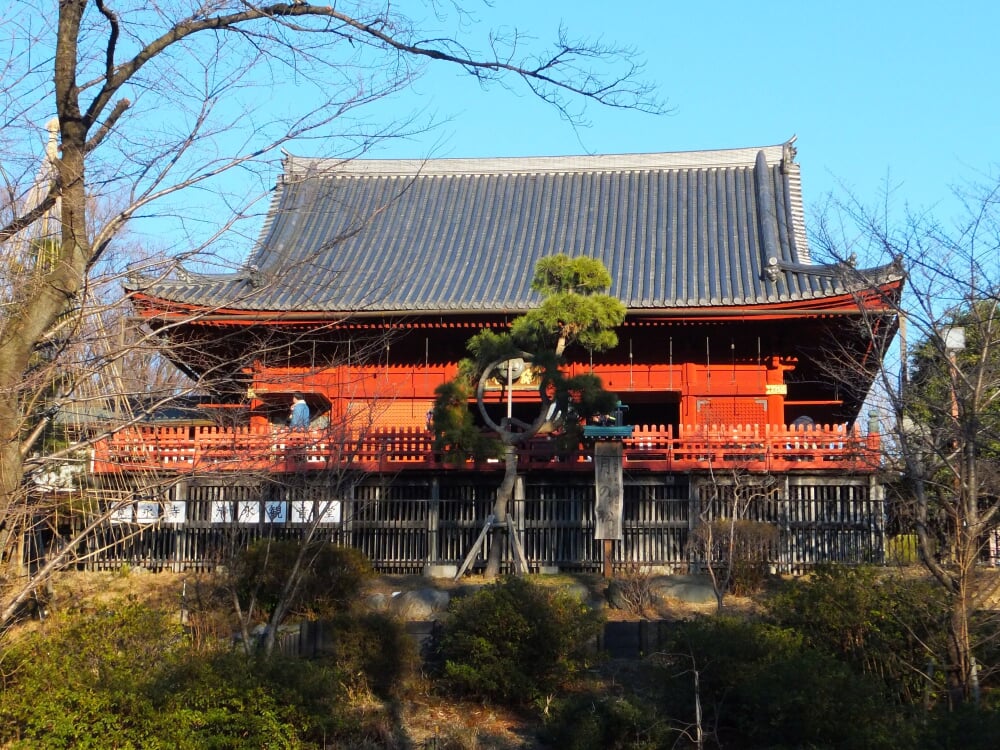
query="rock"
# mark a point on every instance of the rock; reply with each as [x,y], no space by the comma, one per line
[579,591]
[692,589]
[615,595]
[420,604]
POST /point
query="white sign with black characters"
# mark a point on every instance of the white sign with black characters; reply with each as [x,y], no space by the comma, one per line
[121,513]
[274,512]
[174,511]
[329,511]
[303,511]
[249,511]
[147,511]
[222,511]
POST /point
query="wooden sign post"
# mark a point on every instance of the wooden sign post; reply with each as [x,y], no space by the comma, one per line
[609,495]
[609,439]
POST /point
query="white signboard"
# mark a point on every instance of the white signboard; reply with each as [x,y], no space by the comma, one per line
[121,514]
[303,510]
[222,511]
[329,511]
[147,511]
[274,512]
[249,511]
[175,511]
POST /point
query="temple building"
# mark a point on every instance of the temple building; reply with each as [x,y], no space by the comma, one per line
[742,361]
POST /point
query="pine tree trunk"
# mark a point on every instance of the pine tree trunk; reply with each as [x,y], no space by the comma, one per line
[504,495]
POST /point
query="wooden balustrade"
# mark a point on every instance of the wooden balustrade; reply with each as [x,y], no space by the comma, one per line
[651,448]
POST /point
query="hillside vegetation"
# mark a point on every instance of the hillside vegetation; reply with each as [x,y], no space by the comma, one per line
[134,659]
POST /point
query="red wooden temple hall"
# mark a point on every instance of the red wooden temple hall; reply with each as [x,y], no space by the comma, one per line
[369,276]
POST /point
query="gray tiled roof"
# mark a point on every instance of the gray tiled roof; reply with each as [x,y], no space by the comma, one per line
[676,230]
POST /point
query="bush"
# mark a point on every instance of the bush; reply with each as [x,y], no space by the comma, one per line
[761,686]
[128,677]
[375,649]
[125,677]
[515,641]
[602,722]
[879,624]
[632,590]
[747,563]
[332,577]
[962,728]
[754,541]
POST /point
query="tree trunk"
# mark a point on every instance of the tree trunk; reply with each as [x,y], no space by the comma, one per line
[960,673]
[504,495]
[42,303]
[959,650]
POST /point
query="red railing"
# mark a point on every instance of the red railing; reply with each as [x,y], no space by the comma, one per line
[650,448]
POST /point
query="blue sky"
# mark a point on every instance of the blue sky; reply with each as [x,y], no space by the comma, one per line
[891,93]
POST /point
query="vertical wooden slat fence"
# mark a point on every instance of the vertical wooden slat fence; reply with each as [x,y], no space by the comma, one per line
[559,526]
[827,521]
[818,520]
[656,522]
[389,524]
[406,523]
[463,507]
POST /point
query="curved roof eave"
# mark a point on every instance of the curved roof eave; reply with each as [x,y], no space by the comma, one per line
[701,230]
[852,302]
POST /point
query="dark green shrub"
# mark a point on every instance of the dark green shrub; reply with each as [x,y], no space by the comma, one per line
[601,722]
[85,681]
[761,686]
[515,641]
[964,728]
[881,625]
[235,702]
[331,579]
[127,677]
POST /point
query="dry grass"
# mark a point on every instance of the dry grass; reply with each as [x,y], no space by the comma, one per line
[167,591]
[78,590]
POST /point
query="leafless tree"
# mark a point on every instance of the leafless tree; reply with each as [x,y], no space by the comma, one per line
[941,395]
[734,546]
[150,108]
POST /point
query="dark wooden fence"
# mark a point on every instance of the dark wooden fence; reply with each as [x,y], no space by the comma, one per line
[404,524]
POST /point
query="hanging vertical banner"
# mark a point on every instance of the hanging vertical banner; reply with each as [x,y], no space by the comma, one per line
[609,489]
